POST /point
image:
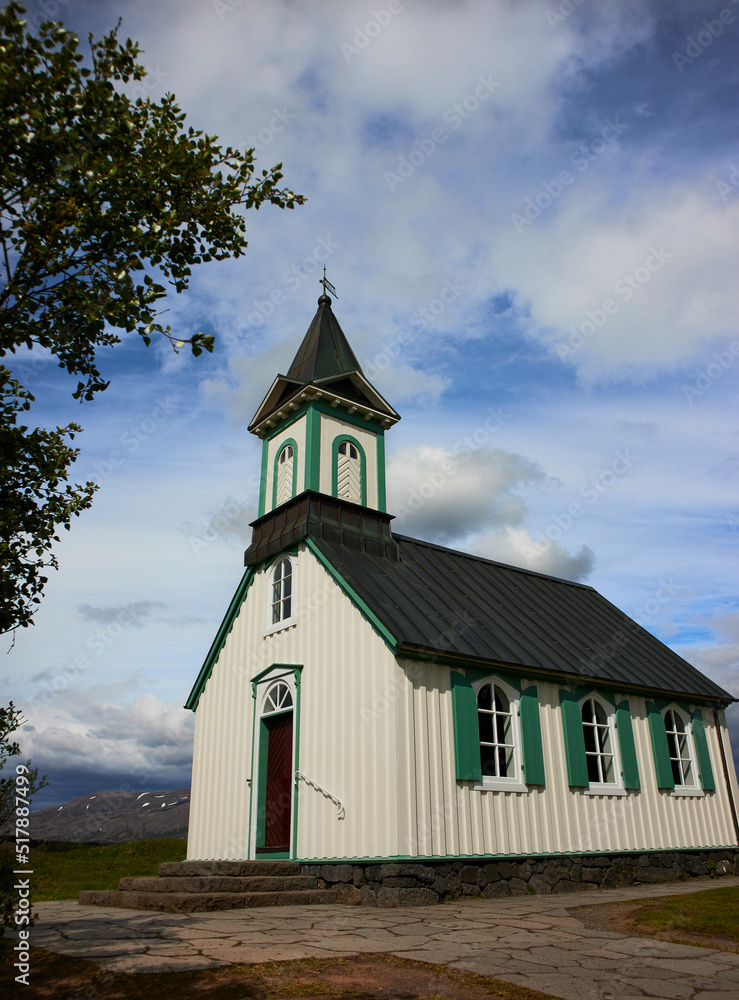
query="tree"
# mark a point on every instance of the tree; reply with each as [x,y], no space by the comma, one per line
[36,500]
[106,202]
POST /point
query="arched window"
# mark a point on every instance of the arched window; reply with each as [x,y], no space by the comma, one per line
[281,593]
[679,745]
[284,477]
[348,472]
[278,699]
[500,737]
[285,462]
[598,734]
[495,722]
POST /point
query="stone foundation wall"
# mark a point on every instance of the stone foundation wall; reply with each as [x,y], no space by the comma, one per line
[425,883]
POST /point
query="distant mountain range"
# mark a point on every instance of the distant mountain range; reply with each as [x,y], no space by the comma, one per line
[114,817]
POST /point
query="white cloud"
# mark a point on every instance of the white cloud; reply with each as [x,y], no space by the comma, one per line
[474,497]
[514,545]
[85,728]
[663,258]
[445,496]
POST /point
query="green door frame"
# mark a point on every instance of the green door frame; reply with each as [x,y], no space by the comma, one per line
[291,673]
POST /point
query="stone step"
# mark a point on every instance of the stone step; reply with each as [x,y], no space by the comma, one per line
[198,902]
[217,883]
[228,868]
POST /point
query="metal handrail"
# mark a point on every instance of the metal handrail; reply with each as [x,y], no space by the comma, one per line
[335,799]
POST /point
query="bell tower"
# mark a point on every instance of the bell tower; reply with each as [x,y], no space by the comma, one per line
[322,425]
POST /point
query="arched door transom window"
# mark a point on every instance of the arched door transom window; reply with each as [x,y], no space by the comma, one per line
[278,699]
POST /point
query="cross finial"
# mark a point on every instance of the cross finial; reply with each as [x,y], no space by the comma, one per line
[327,286]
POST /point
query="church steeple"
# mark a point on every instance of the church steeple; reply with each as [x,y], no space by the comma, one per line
[322,425]
[325,351]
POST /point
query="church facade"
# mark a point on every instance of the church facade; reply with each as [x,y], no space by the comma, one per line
[373,697]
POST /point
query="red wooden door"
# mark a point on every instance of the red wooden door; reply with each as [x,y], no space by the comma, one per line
[279,781]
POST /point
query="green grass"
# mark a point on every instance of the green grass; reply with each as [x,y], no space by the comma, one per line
[62,871]
[714,912]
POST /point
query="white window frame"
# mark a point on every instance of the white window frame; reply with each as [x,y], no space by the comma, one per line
[271,627]
[615,787]
[516,783]
[685,790]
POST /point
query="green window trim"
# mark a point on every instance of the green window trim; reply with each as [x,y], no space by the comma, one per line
[312,478]
[577,765]
[660,749]
[475,674]
[381,498]
[627,748]
[274,672]
[705,771]
[531,748]
[581,692]
[466,730]
[262,784]
[287,443]
[335,466]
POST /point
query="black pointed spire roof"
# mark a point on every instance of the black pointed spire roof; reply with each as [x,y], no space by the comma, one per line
[325,351]
[327,366]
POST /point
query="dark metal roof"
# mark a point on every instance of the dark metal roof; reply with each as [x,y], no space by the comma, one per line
[453,604]
[325,351]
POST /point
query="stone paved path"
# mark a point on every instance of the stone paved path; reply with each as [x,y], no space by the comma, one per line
[531,941]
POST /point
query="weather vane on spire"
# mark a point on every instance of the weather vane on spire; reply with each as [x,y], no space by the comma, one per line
[327,286]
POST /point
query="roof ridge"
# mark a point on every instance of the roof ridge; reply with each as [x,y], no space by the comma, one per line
[493,562]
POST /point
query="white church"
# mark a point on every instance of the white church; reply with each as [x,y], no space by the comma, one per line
[370,697]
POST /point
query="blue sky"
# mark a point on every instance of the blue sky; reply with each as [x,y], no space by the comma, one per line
[529,212]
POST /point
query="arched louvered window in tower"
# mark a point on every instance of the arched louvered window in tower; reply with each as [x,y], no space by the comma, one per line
[348,473]
[285,462]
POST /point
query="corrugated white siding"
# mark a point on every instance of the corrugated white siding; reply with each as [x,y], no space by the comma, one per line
[379,735]
[349,685]
[440,816]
